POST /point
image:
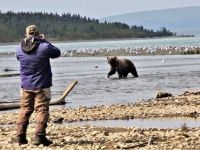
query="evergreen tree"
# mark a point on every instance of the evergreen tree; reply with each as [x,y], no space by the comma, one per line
[69,27]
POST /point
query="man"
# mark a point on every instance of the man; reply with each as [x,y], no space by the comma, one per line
[34,55]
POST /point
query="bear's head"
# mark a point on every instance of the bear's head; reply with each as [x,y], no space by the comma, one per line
[112,61]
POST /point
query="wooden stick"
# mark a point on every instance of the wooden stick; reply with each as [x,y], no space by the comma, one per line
[60,101]
[133,146]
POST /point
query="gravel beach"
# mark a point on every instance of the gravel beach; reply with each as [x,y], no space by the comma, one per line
[108,138]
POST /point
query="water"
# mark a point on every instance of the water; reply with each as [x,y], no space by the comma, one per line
[177,74]
[116,44]
[159,123]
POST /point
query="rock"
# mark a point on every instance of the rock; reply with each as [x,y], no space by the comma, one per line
[194,114]
[186,135]
[97,147]
[94,133]
[103,147]
[150,141]
[116,146]
[58,120]
[106,133]
[163,94]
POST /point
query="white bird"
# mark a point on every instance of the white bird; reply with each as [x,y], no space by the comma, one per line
[163,60]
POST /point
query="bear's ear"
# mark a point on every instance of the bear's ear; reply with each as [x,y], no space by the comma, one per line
[115,57]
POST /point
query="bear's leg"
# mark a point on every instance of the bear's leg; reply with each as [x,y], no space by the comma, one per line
[111,72]
[134,72]
[125,75]
[120,75]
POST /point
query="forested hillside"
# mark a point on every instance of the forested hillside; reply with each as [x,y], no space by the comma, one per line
[69,27]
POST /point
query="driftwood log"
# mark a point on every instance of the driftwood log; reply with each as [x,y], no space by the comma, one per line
[60,101]
[9,75]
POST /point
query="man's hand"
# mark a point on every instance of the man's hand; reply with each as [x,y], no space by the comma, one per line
[42,36]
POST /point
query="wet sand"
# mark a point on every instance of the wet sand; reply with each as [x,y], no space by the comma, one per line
[91,137]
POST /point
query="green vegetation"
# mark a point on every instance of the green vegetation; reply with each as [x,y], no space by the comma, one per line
[69,27]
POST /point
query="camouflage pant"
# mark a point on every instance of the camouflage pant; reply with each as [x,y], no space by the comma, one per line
[37,100]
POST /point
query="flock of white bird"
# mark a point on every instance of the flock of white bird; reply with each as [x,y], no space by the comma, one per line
[131,51]
[162,50]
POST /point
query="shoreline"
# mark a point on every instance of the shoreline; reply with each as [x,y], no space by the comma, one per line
[188,104]
[92,137]
[96,40]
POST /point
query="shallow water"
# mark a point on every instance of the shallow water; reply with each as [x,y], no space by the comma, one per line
[175,75]
[160,123]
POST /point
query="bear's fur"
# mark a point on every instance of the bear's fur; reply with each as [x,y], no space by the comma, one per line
[122,66]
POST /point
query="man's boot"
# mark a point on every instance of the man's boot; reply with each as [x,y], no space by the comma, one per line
[41,139]
[21,139]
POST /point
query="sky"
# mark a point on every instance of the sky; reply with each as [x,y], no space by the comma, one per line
[92,8]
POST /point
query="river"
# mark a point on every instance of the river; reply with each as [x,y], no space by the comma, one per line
[176,74]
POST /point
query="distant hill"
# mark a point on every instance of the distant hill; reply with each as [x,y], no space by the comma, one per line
[180,20]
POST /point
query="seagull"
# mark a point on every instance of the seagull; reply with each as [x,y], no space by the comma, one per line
[163,60]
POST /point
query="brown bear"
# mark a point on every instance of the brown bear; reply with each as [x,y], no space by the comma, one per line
[122,66]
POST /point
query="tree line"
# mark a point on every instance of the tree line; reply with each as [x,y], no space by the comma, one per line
[69,27]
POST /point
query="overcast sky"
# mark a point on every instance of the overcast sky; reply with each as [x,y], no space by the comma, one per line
[92,8]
